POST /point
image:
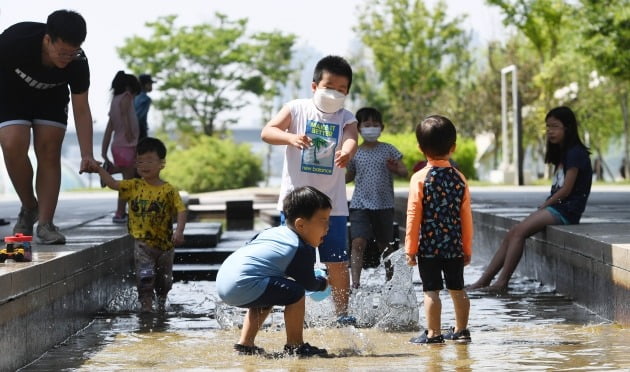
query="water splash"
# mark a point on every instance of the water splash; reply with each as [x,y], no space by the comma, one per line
[227,316]
[231,317]
[388,305]
[123,301]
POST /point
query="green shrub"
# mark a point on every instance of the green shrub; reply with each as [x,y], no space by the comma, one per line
[211,164]
[406,143]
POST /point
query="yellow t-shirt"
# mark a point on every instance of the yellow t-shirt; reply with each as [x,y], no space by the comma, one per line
[151,211]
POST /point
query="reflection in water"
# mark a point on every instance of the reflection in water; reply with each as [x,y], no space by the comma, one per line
[530,328]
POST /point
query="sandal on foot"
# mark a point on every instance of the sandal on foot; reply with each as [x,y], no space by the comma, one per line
[248,350]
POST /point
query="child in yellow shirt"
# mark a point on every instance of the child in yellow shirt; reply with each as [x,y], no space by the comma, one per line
[152,203]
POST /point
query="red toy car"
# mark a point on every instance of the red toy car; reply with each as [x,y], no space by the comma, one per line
[17,247]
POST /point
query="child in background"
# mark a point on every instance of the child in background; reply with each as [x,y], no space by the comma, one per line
[152,205]
[275,268]
[321,138]
[123,124]
[566,203]
[439,229]
[372,204]
[142,104]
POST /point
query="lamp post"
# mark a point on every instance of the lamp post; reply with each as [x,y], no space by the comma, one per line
[517,159]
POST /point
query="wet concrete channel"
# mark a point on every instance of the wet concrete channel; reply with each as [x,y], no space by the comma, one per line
[532,327]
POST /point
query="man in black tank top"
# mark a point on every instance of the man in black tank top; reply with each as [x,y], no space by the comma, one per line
[42,66]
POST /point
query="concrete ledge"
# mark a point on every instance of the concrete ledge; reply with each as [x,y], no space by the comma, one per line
[575,259]
[589,262]
[45,301]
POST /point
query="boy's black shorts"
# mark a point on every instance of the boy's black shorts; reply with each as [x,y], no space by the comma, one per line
[431,270]
[279,292]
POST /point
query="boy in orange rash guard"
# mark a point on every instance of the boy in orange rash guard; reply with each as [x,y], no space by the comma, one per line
[439,229]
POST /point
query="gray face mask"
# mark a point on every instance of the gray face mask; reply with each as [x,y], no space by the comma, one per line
[370,134]
[328,100]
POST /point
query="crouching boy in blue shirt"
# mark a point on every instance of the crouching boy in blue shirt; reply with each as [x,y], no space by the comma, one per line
[275,268]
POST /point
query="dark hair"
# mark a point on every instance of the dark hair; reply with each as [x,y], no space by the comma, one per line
[67,25]
[123,81]
[304,202]
[145,79]
[334,65]
[369,113]
[436,135]
[555,152]
[151,144]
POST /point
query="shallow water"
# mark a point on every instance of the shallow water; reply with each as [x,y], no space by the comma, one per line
[531,328]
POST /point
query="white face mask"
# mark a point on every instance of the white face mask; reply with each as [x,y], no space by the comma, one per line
[328,100]
[370,134]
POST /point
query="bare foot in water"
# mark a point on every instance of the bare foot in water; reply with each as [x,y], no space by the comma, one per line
[495,288]
[477,285]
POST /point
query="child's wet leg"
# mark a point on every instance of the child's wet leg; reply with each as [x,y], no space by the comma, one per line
[294,322]
[254,319]
[339,280]
[433,313]
[356,260]
[461,304]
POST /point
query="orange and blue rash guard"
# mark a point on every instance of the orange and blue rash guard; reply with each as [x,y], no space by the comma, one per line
[439,216]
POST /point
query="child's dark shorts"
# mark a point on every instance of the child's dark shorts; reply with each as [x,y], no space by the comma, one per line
[431,270]
[279,292]
[372,224]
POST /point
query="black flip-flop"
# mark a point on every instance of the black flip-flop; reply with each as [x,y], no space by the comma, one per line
[4,222]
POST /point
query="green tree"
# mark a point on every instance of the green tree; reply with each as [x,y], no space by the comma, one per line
[273,59]
[564,71]
[545,24]
[415,53]
[606,31]
[478,108]
[549,28]
[208,71]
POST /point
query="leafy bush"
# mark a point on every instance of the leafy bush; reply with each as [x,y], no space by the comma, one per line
[210,164]
[406,143]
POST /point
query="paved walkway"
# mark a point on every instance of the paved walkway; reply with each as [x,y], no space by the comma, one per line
[607,212]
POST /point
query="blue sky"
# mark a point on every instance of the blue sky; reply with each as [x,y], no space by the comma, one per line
[325,25]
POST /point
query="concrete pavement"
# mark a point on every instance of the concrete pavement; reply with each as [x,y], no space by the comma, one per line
[58,293]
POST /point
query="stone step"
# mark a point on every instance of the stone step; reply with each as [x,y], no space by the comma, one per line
[202,263]
[270,217]
[188,272]
[202,234]
[213,255]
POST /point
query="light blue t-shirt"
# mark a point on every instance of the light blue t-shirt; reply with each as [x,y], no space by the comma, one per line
[275,252]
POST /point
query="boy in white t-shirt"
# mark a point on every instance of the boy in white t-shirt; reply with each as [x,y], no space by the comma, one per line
[321,138]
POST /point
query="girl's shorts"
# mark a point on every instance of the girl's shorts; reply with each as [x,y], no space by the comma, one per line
[124,156]
[560,219]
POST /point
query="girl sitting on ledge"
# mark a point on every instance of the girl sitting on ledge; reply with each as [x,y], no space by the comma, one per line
[569,192]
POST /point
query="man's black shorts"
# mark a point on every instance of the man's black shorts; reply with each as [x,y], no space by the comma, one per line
[35,108]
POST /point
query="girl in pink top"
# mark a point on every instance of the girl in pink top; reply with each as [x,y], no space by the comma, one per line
[123,124]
